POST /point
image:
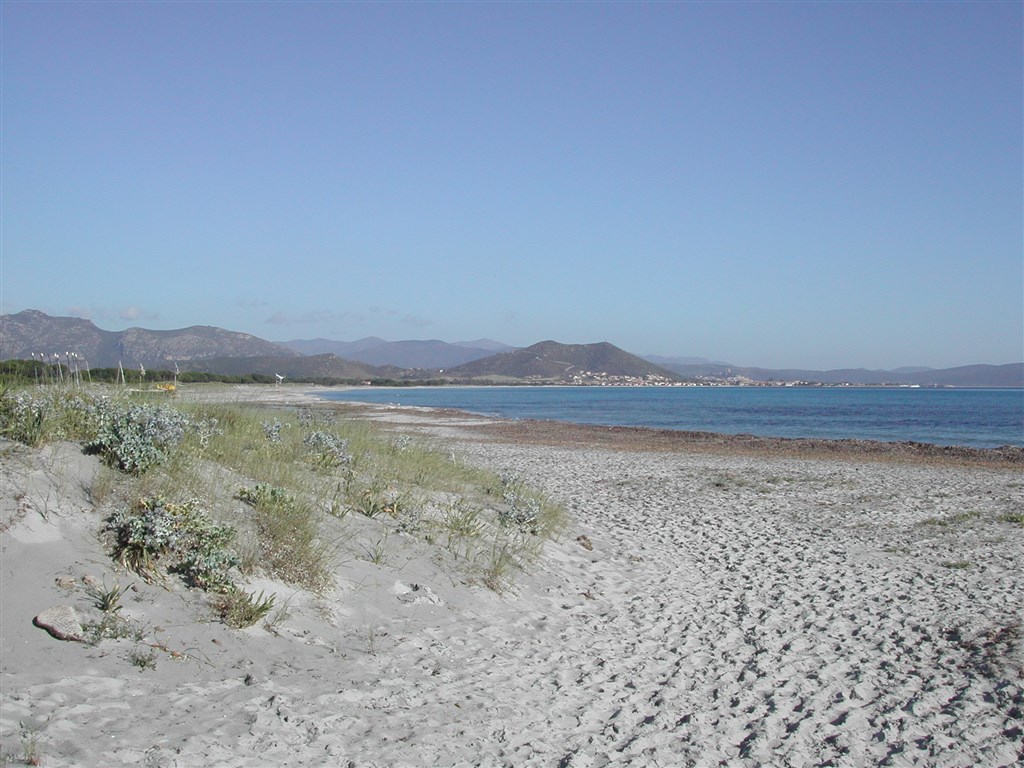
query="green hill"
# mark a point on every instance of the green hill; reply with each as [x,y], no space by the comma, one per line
[552,361]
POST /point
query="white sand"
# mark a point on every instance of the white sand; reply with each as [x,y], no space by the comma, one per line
[733,611]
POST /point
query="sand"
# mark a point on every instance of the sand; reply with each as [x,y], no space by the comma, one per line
[705,607]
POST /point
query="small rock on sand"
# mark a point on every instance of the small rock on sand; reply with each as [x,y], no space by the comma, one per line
[62,622]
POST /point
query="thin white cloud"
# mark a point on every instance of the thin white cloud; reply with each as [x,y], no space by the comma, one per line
[407,319]
[310,317]
[416,320]
[133,313]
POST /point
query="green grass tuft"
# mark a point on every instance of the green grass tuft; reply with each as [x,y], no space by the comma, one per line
[242,609]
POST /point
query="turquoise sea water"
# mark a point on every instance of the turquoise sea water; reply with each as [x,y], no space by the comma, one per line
[981,418]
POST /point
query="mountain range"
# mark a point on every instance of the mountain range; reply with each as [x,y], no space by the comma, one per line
[33,334]
[432,353]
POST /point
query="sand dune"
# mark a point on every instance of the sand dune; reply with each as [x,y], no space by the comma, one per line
[718,610]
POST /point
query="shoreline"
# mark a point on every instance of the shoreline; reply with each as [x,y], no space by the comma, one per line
[737,417]
[551,432]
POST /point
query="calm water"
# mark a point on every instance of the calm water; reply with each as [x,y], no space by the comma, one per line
[982,418]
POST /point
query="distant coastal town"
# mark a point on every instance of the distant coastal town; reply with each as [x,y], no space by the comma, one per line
[601,379]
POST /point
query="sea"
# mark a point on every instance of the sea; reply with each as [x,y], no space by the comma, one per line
[978,418]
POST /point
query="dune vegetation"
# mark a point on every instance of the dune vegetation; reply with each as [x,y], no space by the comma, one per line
[214,494]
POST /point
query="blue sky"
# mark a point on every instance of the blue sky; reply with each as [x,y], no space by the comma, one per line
[793,184]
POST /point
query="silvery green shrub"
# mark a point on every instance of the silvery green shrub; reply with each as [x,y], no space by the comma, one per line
[272,429]
[310,418]
[522,511]
[136,437]
[328,449]
[180,535]
[204,429]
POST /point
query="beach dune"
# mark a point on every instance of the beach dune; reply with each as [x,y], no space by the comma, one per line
[703,608]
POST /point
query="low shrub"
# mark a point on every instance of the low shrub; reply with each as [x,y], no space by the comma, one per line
[528,510]
[329,451]
[134,436]
[522,511]
[179,535]
[142,659]
[272,429]
[266,495]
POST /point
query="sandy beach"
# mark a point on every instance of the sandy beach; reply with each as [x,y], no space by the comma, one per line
[715,604]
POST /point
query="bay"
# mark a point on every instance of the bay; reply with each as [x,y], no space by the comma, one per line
[980,418]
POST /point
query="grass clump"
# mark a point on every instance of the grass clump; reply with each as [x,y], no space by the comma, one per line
[240,609]
[377,551]
[45,415]
[375,500]
[506,557]
[288,530]
[462,520]
[106,600]
[31,747]
[957,565]
[951,520]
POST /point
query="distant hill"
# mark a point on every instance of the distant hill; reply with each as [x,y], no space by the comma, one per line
[31,331]
[344,349]
[552,361]
[489,344]
[430,354]
[1009,375]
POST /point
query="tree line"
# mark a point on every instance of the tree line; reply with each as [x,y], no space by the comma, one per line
[21,372]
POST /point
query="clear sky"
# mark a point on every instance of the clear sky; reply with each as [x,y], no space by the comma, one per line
[778,184]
